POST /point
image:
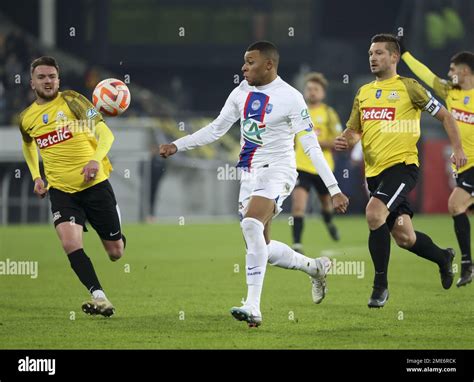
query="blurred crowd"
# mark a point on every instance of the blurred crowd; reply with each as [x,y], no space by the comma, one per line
[16,54]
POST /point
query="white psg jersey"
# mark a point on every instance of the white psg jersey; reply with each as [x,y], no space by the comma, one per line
[270,116]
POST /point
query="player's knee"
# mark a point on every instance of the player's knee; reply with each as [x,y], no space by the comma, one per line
[374,217]
[326,203]
[71,245]
[115,252]
[251,227]
[455,208]
[297,211]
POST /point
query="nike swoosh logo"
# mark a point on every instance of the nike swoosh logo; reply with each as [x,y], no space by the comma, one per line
[258,189]
[467,184]
[250,268]
[253,115]
[113,234]
[381,193]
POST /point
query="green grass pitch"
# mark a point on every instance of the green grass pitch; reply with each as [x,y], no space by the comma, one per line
[176,283]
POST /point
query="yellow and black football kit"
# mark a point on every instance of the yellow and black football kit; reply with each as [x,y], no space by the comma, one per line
[69,133]
[65,130]
[326,126]
[387,115]
[460,104]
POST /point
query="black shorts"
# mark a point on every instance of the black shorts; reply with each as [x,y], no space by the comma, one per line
[465,180]
[392,187]
[95,204]
[307,180]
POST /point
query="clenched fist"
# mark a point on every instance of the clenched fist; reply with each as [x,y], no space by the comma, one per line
[168,150]
[40,189]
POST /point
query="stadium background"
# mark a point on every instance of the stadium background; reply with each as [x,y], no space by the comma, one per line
[176,282]
[181,60]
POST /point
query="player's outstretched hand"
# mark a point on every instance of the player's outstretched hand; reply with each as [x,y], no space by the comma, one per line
[90,170]
[168,150]
[40,189]
[340,203]
[459,158]
[401,43]
[340,143]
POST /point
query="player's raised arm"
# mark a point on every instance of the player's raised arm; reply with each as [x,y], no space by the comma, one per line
[208,134]
[424,73]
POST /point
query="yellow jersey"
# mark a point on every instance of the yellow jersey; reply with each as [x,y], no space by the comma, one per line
[459,102]
[63,130]
[387,114]
[326,126]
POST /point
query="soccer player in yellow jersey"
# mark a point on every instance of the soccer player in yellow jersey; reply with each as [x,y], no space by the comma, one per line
[326,126]
[459,96]
[73,141]
[386,117]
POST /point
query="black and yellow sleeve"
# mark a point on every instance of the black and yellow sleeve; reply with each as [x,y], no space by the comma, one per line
[420,97]
[30,151]
[354,120]
[82,108]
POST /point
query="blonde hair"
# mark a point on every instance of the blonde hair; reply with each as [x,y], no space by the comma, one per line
[318,78]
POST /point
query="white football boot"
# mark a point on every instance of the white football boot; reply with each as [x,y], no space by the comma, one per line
[99,305]
[318,278]
[249,314]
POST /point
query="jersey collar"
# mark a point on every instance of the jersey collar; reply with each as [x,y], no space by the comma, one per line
[276,81]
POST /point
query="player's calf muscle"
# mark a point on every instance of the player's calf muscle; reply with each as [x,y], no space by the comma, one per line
[70,237]
[404,239]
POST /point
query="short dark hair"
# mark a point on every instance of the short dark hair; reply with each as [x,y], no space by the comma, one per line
[318,78]
[266,48]
[44,60]
[466,58]
[390,40]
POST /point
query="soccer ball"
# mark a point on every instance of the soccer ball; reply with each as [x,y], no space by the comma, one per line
[111,97]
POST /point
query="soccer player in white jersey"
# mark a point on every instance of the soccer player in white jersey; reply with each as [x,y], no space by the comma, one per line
[271,112]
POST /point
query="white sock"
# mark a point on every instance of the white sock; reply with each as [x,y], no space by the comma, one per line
[253,295]
[281,255]
[255,260]
[98,294]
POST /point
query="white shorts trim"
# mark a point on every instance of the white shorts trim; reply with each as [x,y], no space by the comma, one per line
[402,186]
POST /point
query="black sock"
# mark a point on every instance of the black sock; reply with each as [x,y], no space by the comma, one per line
[82,265]
[379,247]
[298,223]
[327,217]
[462,228]
[424,247]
